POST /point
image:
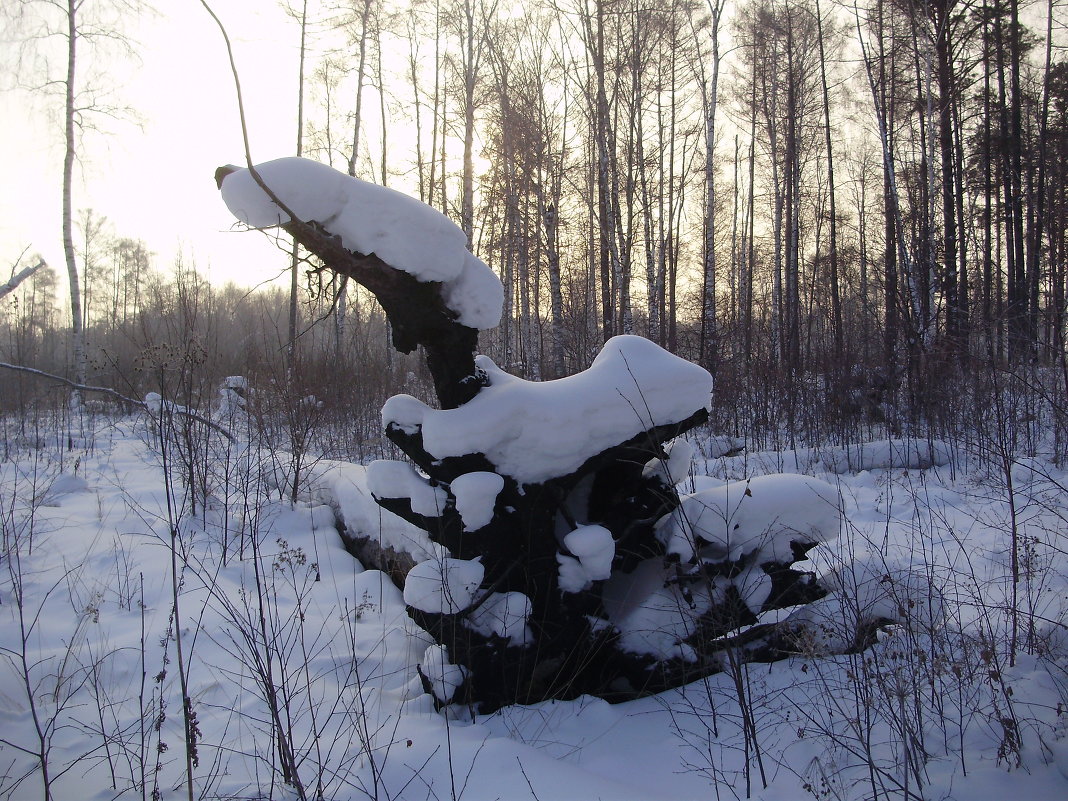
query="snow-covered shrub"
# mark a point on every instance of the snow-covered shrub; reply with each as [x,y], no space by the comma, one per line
[233,396]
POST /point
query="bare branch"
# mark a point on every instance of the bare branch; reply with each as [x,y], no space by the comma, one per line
[118,396]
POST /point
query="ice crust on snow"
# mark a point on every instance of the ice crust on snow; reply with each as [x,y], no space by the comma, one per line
[402,231]
[534,431]
[504,614]
[445,678]
[387,478]
[443,586]
[475,495]
[764,514]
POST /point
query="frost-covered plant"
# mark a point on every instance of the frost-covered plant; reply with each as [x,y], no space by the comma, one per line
[46,650]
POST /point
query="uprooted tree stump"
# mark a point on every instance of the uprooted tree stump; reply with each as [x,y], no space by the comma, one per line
[573,566]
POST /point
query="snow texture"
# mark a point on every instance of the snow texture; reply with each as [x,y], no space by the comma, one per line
[443,586]
[405,412]
[391,479]
[676,468]
[652,617]
[572,577]
[476,295]
[867,591]
[536,431]
[902,454]
[402,231]
[911,533]
[475,495]
[765,514]
[887,454]
[233,395]
[345,488]
[718,447]
[593,549]
[503,614]
[62,485]
[445,678]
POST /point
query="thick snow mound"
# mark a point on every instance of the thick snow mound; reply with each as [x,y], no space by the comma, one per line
[504,614]
[445,678]
[475,494]
[653,617]
[887,454]
[537,431]
[594,549]
[869,591]
[345,488]
[62,485]
[387,478]
[476,295]
[402,231]
[765,514]
[443,586]
[676,468]
[369,218]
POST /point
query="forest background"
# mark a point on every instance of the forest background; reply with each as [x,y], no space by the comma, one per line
[855,217]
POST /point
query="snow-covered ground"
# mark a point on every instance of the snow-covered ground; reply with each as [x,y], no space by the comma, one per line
[298,662]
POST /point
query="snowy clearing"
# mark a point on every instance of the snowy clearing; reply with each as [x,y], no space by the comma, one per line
[276,619]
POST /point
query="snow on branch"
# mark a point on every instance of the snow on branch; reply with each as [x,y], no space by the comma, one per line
[366,218]
[26,272]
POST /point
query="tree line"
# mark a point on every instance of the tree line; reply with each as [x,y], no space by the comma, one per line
[813,187]
[865,198]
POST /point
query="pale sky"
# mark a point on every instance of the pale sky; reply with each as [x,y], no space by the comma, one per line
[156,183]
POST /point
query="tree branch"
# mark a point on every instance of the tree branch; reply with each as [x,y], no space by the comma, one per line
[118,396]
[15,280]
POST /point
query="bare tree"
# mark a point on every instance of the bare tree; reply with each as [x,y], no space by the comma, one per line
[96,24]
[300,15]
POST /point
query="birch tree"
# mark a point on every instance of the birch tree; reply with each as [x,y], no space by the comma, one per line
[58,38]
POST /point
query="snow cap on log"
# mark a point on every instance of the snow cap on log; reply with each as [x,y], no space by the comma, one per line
[387,478]
[475,494]
[405,233]
[765,514]
[443,677]
[503,614]
[534,431]
[443,586]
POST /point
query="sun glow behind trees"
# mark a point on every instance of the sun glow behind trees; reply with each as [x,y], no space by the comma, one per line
[570,142]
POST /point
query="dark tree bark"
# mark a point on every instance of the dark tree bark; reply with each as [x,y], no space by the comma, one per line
[416,311]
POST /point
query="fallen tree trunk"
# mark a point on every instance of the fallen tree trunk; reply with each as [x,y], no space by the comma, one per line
[574,564]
